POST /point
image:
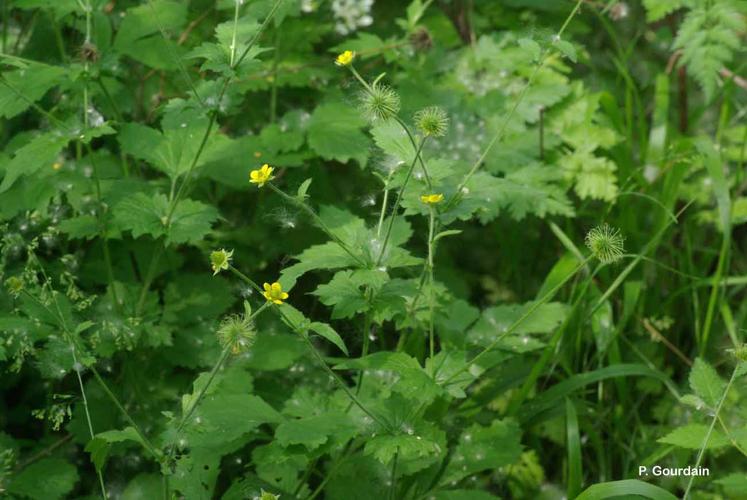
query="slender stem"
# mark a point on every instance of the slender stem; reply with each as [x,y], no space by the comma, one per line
[274,88]
[504,125]
[431,305]
[343,385]
[213,117]
[710,430]
[400,194]
[384,204]
[316,354]
[520,320]
[393,477]
[76,369]
[318,220]
[145,441]
[235,29]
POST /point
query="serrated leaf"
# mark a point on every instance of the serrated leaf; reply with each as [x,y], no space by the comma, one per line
[706,383]
[59,479]
[32,82]
[330,334]
[40,152]
[482,448]
[567,49]
[692,437]
[315,431]
[335,133]
[142,214]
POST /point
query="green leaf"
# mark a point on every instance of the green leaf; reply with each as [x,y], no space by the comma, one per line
[99,446]
[481,448]
[344,294]
[692,437]
[567,49]
[531,46]
[142,214]
[59,478]
[335,133]
[139,36]
[495,321]
[625,488]
[411,381]
[330,334]
[706,382]
[315,431]
[41,152]
[32,82]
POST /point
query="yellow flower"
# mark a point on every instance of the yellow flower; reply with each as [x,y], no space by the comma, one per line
[220,260]
[345,58]
[261,175]
[274,293]
[432,199]
[56,165]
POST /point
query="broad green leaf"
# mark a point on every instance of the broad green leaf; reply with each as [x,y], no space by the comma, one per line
[139,36]
[41,152]
[692,437]
[32,82]
[625,488]
[142,214]
[335,133]
[315,431]
[484,447]
[706,383]
[59,479]
[330,334]
[496,321]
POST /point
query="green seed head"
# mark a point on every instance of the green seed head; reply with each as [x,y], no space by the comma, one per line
[432,121]
[236,332]
[380,103]
[605,243]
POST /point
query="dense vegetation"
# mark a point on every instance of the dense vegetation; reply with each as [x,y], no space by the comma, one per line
[349,249]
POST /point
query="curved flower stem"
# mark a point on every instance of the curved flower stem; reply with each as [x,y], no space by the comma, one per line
[315,352]
[146,442]
[384,204]
[400,193]
[367,88]
[520,320]
[173,202]
[504,125]
[431,251]
[318,220]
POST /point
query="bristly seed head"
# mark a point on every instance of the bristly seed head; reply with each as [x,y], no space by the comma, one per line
[606,243]
[381,102]
[432,121]
[236,332]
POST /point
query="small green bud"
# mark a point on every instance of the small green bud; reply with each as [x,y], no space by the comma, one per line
[266,495]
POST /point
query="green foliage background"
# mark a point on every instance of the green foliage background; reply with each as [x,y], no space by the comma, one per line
[474,348]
